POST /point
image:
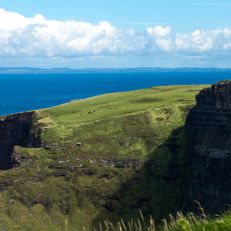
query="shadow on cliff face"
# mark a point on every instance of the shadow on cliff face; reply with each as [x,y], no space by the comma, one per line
[158,188]
[15,130]
[193,164]
[209,133]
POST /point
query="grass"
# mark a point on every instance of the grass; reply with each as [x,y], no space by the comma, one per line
[120,123]
[181,222]
[116,104]
[75,181]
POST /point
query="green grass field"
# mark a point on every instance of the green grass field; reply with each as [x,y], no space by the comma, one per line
[119,123]
[95,163]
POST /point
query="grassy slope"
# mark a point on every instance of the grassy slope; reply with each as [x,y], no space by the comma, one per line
[67,184]
[100,122]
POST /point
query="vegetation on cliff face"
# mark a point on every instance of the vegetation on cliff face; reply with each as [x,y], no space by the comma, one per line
[100,158]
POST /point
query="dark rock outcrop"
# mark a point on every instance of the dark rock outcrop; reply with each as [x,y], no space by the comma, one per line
[209,135]
[15,130]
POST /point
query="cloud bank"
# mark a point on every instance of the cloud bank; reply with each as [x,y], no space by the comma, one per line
[39,37]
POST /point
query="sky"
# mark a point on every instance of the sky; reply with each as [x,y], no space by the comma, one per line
[121,33]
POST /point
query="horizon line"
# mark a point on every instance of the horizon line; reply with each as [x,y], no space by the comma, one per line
[105,68]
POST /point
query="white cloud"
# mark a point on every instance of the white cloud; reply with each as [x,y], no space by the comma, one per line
[21,36]
[159,31]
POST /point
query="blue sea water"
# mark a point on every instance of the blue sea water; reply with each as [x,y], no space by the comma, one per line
[22,92]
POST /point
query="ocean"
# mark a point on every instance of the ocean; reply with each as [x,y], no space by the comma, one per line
[29,91]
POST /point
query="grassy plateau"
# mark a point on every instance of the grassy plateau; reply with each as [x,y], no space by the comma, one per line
[104,159]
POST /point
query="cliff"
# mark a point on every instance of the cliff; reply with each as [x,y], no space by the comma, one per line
[100,158]
[209,135]
[15,130]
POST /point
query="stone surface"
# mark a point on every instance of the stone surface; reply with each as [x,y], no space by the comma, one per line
[15,130]
[208,127]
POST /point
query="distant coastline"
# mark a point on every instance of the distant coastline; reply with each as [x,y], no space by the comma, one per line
[24,89]
[35,70]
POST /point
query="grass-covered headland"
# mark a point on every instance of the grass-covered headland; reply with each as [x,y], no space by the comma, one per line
[104,159]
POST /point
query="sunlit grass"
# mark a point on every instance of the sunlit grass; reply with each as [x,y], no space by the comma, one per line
[180,222]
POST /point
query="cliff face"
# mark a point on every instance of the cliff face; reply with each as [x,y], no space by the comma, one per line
[15,130]
[209,134]
[90,161]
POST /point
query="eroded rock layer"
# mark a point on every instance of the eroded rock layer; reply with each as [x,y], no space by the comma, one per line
[15,130]
[209,132]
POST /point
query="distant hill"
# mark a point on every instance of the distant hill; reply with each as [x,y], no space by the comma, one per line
[23,70]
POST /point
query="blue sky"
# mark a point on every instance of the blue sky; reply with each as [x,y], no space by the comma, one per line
[182,15]
[121,33]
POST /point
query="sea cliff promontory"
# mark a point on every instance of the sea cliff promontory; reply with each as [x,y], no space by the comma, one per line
[156,150]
